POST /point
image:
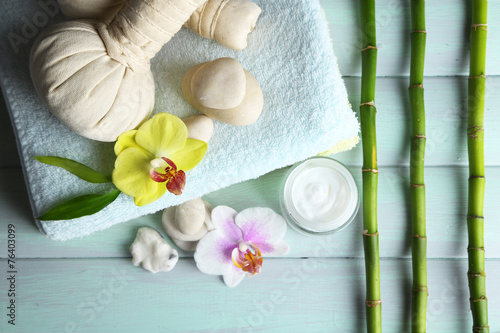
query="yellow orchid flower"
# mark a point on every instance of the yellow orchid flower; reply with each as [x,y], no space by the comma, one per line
[158,152]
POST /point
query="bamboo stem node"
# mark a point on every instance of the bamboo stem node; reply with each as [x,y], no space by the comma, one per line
[476,128]
[474,275]
[372,304]
[420,288]
[482,26]
[416,185]
[470,248]
[419,31]
[477,77]
[473,131]
[365,233]
[369,47]
[371,103]
[479,299]
[474,177]
[475,217]
[419,136]
[418,236]
[375,171]
[478,329]
[416,86]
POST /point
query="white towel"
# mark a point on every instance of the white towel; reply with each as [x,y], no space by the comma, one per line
[306,110]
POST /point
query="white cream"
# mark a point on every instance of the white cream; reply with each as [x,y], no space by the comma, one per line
[320,196]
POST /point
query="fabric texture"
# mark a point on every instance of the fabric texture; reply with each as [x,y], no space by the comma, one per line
[102,10]
[227,21]
[96,78]
[306,110]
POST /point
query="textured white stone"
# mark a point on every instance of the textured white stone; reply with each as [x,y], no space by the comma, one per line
[182,240]
[219,84]
[150,250]
[246,113]
[190,216]
[199,127]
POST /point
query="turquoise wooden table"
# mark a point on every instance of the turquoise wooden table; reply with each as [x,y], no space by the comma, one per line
[90,285]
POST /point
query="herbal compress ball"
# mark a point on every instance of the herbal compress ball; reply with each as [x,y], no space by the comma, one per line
[96,78]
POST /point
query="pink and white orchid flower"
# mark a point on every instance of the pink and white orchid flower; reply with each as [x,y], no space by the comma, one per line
[236,246]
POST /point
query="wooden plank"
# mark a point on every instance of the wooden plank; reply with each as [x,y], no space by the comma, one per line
[447,23]
[290,295]
[446,209]
[446,121]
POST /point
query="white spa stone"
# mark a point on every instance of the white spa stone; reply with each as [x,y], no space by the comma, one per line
[185,241]
[219,84]
[246,113]
[199,127]
[185,245]
[190,216]
[152,251]
[170,227]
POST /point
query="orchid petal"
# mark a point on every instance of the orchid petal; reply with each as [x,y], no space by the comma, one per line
[150,197]
[233,276]
[162,135]
[170,162]
[140,169]
[176,184]
[274,250]
[158,176]
[234,249]
[213,253]
[131,174]
[223,218]
[127,140]
[192,154]
[261,226]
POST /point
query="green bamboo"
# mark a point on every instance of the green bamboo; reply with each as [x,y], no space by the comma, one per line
[417,185]
[367,112]
[475,142]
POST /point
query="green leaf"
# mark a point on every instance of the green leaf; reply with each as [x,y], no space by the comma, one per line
[76,168]
[81,206]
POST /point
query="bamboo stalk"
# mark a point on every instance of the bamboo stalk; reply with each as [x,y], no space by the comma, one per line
[417,185]
[367,112]
[475,142]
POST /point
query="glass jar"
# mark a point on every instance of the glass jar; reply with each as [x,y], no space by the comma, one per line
[319,196]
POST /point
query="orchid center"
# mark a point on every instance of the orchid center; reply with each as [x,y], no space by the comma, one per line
[248,257]
[158,163]
[174,179]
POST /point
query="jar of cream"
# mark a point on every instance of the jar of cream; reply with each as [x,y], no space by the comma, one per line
[319,196]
